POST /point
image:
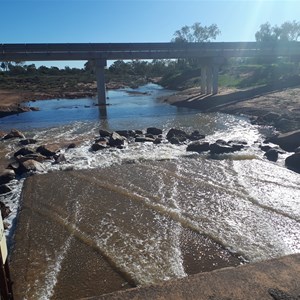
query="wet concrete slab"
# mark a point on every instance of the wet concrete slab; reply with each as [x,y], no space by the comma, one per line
[277,279]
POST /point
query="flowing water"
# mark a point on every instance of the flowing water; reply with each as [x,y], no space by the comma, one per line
[113,219]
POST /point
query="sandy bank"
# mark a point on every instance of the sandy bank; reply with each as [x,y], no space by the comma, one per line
[268,105]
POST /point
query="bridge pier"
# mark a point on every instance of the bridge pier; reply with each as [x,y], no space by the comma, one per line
[209,79]
[100,66]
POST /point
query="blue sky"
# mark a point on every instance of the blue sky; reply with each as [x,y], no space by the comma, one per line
[63,21]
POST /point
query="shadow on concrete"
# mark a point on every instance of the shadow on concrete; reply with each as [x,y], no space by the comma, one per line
[214,102]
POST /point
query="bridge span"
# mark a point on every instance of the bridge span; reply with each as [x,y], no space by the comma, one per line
[211,55]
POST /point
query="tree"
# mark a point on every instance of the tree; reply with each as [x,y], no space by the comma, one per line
[288,31]
[196,33]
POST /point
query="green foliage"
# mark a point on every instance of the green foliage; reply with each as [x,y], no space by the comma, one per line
[196,33]
[288,31]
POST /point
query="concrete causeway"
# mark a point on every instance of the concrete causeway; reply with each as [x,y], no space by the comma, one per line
[276,279]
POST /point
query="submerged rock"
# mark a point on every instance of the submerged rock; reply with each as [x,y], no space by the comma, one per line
[195,136]
[293,162]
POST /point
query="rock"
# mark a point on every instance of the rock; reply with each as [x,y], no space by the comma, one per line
[35,156]
[126,133]
[34,108]
[48,150]
[271,117]
[177,136]
[139,132]
[154,131]
[14,133]
[98,146]
[24,151]
[176,141]
[6,176]
[195,136]
[4,189]
[2,134]
[116,140]
[143,139]
[297,150]
[104,133]
[293,162]
[158,140]
[59,158]
[265,148]
[271,155]
[149,135]
[31,165]
[27,142]
[5,211]
[220,148]
[288,141]
[198,147]
[71,146]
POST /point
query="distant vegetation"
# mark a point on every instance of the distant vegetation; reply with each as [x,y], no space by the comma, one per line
[173,74]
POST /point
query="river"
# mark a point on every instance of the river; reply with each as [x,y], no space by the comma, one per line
[148,212]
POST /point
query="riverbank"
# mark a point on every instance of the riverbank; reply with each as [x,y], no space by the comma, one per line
[278,106]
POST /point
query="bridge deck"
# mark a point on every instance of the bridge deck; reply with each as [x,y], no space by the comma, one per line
[113,51]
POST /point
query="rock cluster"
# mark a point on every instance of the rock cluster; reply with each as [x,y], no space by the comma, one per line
[29,158]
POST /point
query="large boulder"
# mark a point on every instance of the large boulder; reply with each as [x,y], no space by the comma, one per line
[177,136]
[6,176]
[198,147]
[48,150]
[293,162]
[31,165]
[104,133]
[288,141]
[24,151]
[116,140]
[14,133]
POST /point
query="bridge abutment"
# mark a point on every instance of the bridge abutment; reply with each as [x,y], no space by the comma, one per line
[101,92]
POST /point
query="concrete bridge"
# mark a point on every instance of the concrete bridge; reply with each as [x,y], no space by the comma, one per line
[211,55]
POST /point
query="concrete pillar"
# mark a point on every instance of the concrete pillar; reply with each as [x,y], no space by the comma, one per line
[100,65]
[203,79]
[215,79]
[209,80]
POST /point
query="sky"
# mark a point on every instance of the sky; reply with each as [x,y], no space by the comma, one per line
[117,21]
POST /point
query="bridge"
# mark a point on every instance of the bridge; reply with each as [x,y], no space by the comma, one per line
[210,55]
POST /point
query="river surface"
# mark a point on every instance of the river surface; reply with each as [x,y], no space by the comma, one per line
[148,212]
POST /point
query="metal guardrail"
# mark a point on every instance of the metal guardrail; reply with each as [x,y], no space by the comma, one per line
[84,51]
